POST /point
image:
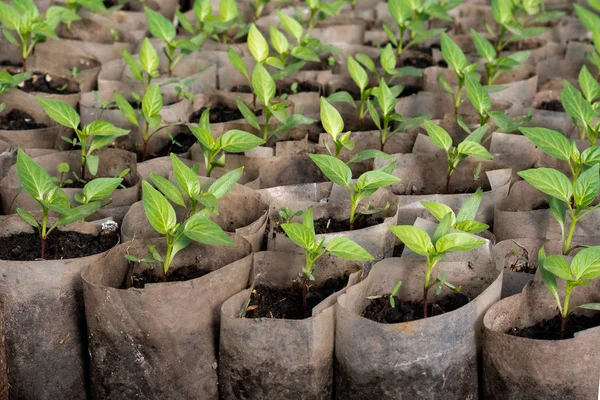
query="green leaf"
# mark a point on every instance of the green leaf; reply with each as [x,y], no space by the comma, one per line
[92,163]
[474,149]
[368,154]
[291,26]
[308,219]
[591,155]
[27,217]
[299,234]
[263,84]
[305,54]
[159,26]
[575,105]
[341,97]
[9,17]
[278,40]
[346,249]
[366,61]
[590,20]
[414,238]
[186,179]
[386,99]
[248,115]
[168,189]
[35,180]
[588,84]
[471,226]
[257,44]
[453,55]
[60,112]
[586,264]
[502,11]
[228,10]
[478,96]
[443,228]
[558,266]
[400,11]
[78,213]
[550,182]
[438,135]
[223,185]
[558,209]
[237,141]
[148,57]
[202,230]
[438,210]
[590,306]
[338,172]
[484,47]
[100,188]
[387,59]
[468,211]
[549,141]
[358,73]
[126,109]
[458,242]
[548,277]
[159,212]
[152,102]
[134,67]
[237,62]
[154,253]
[331,119]
[373,180]
[103,128]
[586,188]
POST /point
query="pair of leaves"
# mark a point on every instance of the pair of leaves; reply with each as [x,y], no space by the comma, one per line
[419,241]
[465,219]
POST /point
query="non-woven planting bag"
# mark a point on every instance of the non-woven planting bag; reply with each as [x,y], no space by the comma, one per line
[42,303]
[242,211]
[431,358]
[374,236]
[160,342]
[284,171]
[64,59]
[285,358]
[223,108]
[112,162]
[3,369]
[522,368]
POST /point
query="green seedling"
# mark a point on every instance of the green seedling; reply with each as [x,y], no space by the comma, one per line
[114,34]
[457,62]
[39,184]
[435,248]
[334,126]
[146,68]
[304,236]
[8,81]
[214,150]
[23,19]
[388,61]
[321,9]
[496,65]
[583,109]
[92,5]
[591,21]
[286,215]
[576,194]
[464,221]
[63,169]
[182,87]
[89,139]
[211,25]
[395,291]
[584,268]
[366,185]
[470,146]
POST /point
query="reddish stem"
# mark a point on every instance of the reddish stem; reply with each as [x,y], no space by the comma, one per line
[562,327]
[43,249]
[425,292]
[448,184]
[145,150]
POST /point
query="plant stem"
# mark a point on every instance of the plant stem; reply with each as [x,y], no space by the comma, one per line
[567,244]
[565,310]
[457,99]
[352,210]
[448,183]
[425,291]
[167,263]
[145,143]
[43,233]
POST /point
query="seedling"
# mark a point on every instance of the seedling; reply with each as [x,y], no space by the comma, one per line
[174,50]
[395,291]
[31,27]
[470,146]
[388,61]
[147,67]
[387,103]
[584,268]
[92,137]
[591,21]
[210,25]
[182,87]
[114,34]
[494,65]
[92,5]
[304,236]
[576,194]
[465,219]
[286,214]
[435,248]
[8,81]
[320,8]
[457,61]
[413,16]
[214,151]
[63,169]
[583,109]
[258,6]
[334,125]
[39,184]
[367,184]
[199,203]
[264,88]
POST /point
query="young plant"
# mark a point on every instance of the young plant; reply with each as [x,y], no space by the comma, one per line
[584,268]
[494,65]
[320,9]
[387,103]
[469,147]
[591,21]
[286,215]
[214,151]
[576,194]
[583,110]
[388,61]
[161,28]
[457,62]
[334,125]
[304,236]
[23,18]
[182,87]
[464,221]
[367,184]
[8,81]
[92,137]
[264,87]
[146,68]
[40,185]
[412,17]
[210,25]
[435,248]
[92,5]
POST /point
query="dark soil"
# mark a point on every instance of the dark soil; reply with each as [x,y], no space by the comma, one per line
[217,114]
[549,329]
[417,62]
[409,91]
[380,310]
[59,245]
[8,63]
[303,87]
[330,225]
[17,120]
[267,302]
[150,275]
[241,89]
[186,140]
[46,83]
[551,105]
[112,3]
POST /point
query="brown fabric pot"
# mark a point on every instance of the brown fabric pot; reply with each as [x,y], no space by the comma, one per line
[299,364]
[159,342]
[3,368]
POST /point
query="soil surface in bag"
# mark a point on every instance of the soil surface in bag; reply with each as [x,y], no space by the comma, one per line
[45,83]
[522,263]
[59,245]
[267,302]
[217,114]
[380,310]
[181,144]
[301,87]
[17,120]
[551,105]
[549,329]
[79,184]
[112,3]
[330,225]
[150,275]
